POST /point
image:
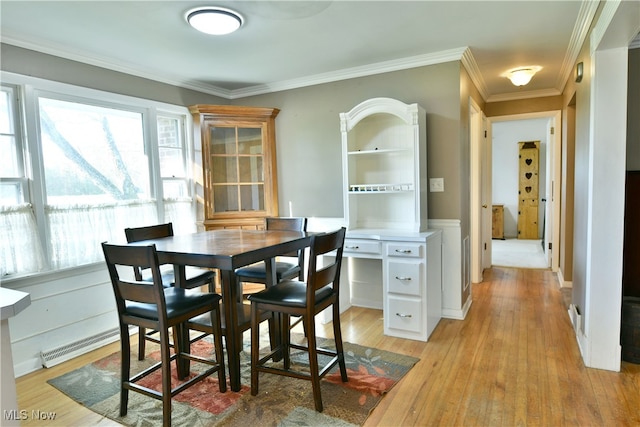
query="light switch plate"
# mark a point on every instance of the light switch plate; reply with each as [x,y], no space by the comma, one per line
[436,185]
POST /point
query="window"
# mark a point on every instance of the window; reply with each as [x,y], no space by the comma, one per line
[18,229]
[174,172]
[94,167]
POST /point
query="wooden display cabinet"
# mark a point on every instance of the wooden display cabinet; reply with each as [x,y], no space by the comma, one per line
[239,164]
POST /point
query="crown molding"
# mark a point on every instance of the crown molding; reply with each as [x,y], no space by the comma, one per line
[85,58]
[580,33]
[470,64]
[523,95]
[350,73]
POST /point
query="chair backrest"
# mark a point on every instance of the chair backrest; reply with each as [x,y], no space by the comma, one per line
[150,232]
[133,290]
[319,277]
[146,233]
[289,224]
[286,224]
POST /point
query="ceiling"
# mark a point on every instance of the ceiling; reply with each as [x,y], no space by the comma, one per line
[290,44]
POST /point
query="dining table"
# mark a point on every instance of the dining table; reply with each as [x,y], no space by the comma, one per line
[226,250]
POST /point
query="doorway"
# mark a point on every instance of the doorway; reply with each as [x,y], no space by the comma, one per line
[506,132]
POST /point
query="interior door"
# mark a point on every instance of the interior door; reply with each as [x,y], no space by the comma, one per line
[486,197]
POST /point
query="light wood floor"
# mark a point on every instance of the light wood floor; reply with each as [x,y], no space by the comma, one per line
[513,361]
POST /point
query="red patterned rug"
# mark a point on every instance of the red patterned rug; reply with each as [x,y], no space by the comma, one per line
[281,400]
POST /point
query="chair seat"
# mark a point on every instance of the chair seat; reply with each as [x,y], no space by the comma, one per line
[178,301]
[195,277]
[290,293]
[257,271]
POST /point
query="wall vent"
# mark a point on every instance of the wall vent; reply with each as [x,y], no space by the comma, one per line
[69,351]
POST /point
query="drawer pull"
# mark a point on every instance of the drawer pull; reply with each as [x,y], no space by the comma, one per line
[355,248]
[403,315]
[403,278]
[403,251]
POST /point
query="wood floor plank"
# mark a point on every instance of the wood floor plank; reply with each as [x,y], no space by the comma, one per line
[514,361]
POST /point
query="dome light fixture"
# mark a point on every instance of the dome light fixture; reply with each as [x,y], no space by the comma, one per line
[214,20]
[521,76]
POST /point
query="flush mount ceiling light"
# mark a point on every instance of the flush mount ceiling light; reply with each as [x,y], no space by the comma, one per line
[522,76]
[214,20]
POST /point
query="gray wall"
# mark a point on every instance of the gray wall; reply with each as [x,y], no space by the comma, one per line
[308,126]
[30,63]
[309,142]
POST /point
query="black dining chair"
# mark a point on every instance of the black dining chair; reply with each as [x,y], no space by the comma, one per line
[152,305]
[195,276]
[305,299]
[257,273]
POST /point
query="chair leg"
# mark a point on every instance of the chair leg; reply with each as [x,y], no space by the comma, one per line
[314,370]
[337,334]
[217,342]
[125,371]
[255,348]
[142,334]
[166,376]
[285,341]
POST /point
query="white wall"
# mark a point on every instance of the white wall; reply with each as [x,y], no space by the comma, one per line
[505,138]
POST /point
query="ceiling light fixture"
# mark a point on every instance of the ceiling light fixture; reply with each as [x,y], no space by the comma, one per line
[214,20]
[522,76]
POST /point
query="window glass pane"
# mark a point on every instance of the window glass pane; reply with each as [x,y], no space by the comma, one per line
[169,134]
[174,189]
[171,163]
[10,193]
[92,154]
[223,140]
[172,156]
[9,162]
[6,123]
[250,140]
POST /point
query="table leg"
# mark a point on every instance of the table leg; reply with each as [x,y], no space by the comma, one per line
[183,365]
[275,327]
[229,297]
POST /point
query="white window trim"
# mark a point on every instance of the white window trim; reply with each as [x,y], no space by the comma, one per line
[29,88]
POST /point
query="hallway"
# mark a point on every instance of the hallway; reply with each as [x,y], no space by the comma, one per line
[518,253]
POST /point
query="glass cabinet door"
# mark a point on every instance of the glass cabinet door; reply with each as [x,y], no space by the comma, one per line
[237,172]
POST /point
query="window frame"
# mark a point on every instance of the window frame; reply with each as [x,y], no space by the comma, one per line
[16,121]
[27,91]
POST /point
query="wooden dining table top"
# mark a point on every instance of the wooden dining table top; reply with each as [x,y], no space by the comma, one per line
[227,249]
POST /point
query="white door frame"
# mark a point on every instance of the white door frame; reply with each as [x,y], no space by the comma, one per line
[480,188]
[554,177]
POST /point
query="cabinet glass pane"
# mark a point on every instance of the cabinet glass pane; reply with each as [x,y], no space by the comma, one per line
[223,140]
[251,169]
[224,169]
[250,140]
[225,198]
[252,197]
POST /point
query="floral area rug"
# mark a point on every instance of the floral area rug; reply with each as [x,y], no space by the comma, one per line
[281,401]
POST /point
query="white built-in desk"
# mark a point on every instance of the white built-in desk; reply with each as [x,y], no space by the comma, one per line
[399,272]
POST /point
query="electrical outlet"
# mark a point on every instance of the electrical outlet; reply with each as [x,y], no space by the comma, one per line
[436,185]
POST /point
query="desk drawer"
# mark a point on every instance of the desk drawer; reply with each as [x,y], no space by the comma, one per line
[404,277]
[404,314]
[401,249]
[362,246]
